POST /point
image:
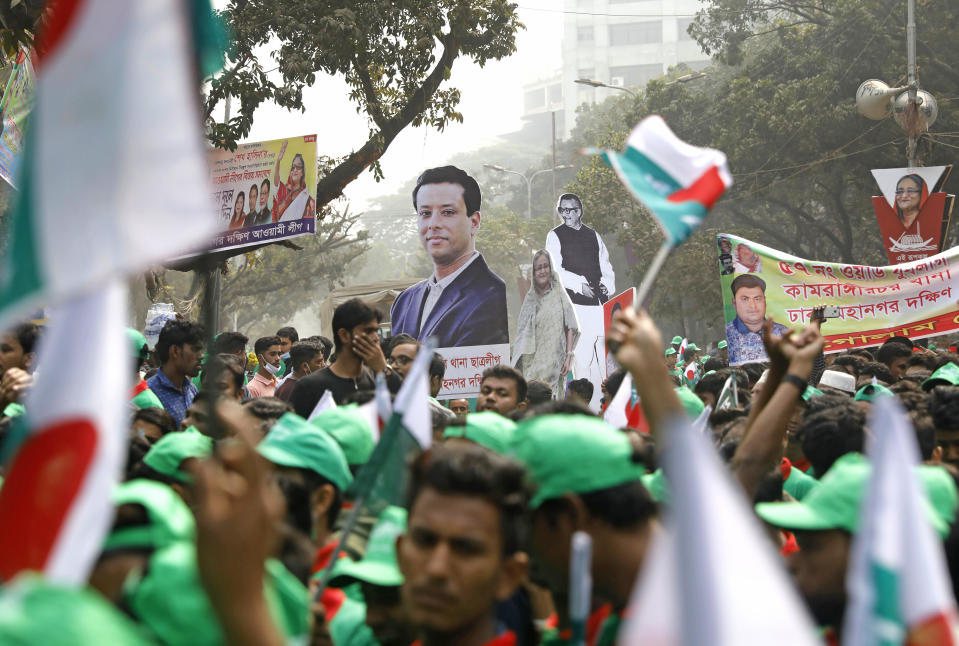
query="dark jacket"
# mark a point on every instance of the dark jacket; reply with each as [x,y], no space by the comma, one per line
[471,310]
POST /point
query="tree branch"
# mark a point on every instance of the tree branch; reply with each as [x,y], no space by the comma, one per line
[332,185]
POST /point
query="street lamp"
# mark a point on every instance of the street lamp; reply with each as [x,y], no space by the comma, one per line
[528,180]
[595,83]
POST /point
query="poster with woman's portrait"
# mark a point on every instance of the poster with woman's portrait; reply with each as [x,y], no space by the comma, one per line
[547,328]
[913,213]
[264,191]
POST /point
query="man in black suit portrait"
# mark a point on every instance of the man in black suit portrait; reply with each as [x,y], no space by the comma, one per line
[463,303]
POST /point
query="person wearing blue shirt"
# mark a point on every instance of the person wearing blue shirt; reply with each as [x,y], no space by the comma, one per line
[180,351]
[744,334]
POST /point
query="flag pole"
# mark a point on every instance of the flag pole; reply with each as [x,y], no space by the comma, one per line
[358,503]
[646,286]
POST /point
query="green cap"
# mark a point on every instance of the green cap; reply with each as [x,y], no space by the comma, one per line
[378,566]
[835,503]
[721,345]
[139,343]
[555,449]
[676,340]
[168,518]
[488,429]
[691,402]
[172,449]
[294,442]
[351,430]
[870,392]
[36,611]
[171,603]
[693,347]
[810,392]
[670,351]
[946,375]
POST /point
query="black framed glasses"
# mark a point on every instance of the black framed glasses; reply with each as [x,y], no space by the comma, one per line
[568,211]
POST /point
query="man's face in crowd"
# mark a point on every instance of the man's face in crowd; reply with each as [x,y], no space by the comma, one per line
[446,229]
[498,394]
[11,353]
[386,616]
[225,385]
[452,560]
[897,367]
[671,361]
[272,355]
[819,570]
[750,304]
[401,358]
[196,416]
[285,344]
[146,430]
[571,212]
[949,441]
[188,357]
[460,406]
[317,363]
[369,330]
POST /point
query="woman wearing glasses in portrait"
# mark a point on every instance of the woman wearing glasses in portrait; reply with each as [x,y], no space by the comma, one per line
[911,194]
[293,201]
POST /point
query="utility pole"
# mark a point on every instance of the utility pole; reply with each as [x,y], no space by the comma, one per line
[911,77]
[553,141]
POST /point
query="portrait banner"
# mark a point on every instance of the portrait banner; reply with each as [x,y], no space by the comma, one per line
[264,191]
[547,329]
[623,300]
[916,299]
[463,302]
[465,366]
[912,213]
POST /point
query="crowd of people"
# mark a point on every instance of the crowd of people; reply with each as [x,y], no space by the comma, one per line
[240,475]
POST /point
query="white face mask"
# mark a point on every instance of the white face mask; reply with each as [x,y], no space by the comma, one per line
[270,368]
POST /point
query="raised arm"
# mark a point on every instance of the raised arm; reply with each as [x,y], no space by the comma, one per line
[762,446]
[640,352]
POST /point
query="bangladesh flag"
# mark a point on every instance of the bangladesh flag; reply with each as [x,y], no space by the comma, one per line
[114,173]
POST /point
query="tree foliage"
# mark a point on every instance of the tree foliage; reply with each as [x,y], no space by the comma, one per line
[273,283]
[394,55]
[785,116]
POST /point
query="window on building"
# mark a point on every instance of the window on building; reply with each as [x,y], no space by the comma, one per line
[636,33]
[584,34]
[682,29]
[534,99]
[634,75]
[555,93]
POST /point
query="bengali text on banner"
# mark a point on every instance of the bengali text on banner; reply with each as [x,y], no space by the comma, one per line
[916,299]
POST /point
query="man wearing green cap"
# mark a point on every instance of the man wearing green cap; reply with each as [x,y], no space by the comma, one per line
[606,500]
[141,396]
[671,358]
[488,429]
[173,459]
[380,580]
[461,550]
[824,521]
[313,474]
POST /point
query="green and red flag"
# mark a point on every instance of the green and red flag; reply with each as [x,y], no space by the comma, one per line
[114,174]
[898,583]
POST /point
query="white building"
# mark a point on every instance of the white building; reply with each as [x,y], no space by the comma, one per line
[625,43]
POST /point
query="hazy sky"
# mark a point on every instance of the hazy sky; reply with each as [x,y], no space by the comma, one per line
[491,105]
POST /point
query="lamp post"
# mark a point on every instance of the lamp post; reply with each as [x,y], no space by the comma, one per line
[596,83]
[528,180]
